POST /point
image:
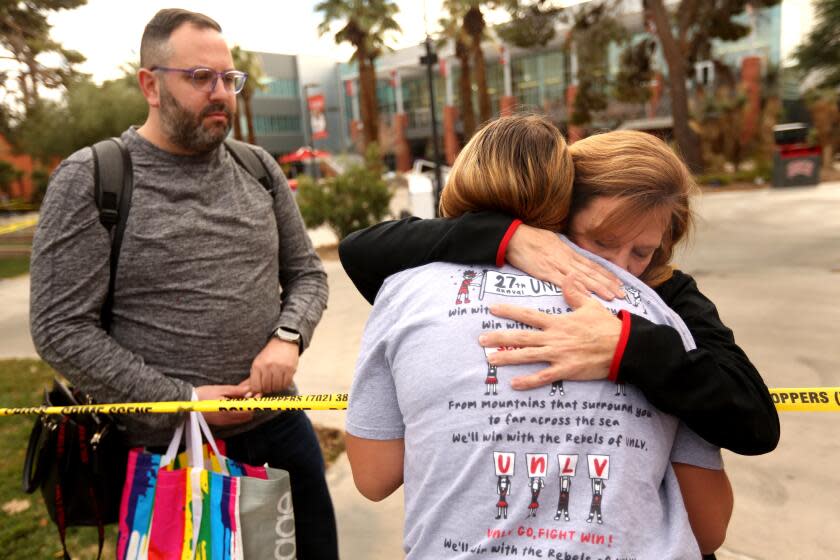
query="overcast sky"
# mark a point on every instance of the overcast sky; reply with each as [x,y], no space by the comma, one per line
[107,32]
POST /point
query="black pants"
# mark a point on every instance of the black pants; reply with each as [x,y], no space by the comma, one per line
[288,442]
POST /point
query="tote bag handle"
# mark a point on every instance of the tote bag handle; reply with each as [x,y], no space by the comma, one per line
[195,426]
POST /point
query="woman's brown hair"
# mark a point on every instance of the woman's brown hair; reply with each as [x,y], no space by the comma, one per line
[643,170]
[519,165]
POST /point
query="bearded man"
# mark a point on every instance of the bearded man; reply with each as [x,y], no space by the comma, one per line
[197,309]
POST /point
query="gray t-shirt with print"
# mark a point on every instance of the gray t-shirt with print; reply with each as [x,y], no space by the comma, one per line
[578,470]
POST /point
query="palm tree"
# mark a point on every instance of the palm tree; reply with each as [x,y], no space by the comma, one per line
[365,24]
[451,30]
[475,27]
[246,61]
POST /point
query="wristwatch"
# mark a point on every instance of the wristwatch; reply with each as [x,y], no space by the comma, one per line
[287,335]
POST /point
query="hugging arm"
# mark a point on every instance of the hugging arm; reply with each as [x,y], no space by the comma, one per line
[375,429]
[371,255]
[708,500]
[377,465]
[704,487]
[714,389]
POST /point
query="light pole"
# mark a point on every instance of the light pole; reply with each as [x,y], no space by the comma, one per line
[307,130]
[430,59]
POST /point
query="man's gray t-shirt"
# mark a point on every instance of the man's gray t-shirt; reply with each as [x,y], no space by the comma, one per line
[484,464]
[197,293]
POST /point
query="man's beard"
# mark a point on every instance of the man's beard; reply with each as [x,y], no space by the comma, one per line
[186,129]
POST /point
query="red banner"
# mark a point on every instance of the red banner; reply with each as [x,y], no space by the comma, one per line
[317,117]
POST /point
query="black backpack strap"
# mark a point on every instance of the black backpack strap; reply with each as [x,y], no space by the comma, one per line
[245,156]
[113,184]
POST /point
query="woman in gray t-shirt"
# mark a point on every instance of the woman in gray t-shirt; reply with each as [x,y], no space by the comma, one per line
[578,471]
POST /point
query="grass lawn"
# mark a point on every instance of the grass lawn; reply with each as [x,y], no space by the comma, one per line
[26,532]
[13,265]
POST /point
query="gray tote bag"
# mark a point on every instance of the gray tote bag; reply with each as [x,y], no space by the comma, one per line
[266,517]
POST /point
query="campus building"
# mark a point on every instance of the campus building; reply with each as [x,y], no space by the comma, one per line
[545,80]
[541,80]
[280,113]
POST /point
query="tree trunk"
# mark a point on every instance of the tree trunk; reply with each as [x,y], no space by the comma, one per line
[249,118]
[769,118]
[465,86]
[824,114]
[34,78]
[367,99]
[373,102]
[687,140]
[24,90]
[480,72]
[237,125]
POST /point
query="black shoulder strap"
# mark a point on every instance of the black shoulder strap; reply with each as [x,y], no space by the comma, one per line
[113,184]
[245,156]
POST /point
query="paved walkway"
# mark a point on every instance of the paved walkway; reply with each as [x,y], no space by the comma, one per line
[15,341]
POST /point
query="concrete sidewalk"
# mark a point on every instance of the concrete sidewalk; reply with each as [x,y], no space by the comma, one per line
[15,341]
[366,530]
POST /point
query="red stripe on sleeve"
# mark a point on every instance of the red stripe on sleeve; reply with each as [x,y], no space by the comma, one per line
[500,254]
[622,344]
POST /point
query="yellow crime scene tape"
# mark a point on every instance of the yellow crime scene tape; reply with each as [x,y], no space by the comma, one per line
[17,226]
[328,401]
[797,399]
[806,399]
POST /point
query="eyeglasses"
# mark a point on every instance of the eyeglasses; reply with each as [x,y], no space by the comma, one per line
[204,79]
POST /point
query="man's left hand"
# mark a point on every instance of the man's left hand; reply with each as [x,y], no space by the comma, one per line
[274,367]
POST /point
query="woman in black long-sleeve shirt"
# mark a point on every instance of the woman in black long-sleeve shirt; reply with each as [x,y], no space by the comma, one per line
[714,389]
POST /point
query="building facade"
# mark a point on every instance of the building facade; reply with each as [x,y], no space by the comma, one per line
[538,80]
[280,113]
[545,80]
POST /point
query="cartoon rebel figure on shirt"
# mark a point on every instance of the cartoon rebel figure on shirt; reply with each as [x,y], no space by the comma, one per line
[537,483]
[491,380]
[567,467]
[557,386]
[504,463]
[503,490]
[464,290]
[599,472]
[563,501]
[597,496]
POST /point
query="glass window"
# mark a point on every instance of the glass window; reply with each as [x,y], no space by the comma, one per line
[276,124]
[417,103]
[526,85]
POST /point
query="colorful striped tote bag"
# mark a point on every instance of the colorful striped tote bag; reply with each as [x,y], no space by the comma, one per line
[190,506]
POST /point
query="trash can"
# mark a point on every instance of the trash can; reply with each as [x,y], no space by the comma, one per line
[795,162]
[421,191]
[421,195]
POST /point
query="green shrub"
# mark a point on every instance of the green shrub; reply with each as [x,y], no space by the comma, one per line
[714,179]
[745,176]
[356,199]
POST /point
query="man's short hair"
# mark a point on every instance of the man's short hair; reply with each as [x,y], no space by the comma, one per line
[154,47]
